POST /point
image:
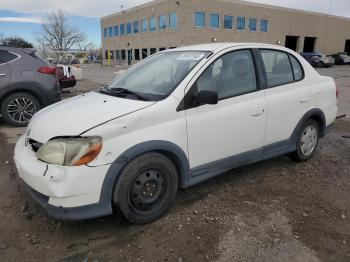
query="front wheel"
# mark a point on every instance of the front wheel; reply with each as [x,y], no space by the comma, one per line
[307,141]
[146,188]
[17,109]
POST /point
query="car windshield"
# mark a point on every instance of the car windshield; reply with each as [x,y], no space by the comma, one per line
[157,76]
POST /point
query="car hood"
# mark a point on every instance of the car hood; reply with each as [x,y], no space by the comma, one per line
[74,116]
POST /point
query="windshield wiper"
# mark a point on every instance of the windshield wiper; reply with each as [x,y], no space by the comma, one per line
[123,92]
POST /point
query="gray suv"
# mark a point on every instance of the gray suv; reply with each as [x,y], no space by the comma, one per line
[27,84]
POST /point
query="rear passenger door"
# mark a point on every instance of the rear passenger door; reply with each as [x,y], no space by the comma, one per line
[236,124]
[288,94]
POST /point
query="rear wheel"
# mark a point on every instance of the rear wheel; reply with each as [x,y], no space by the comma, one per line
[146,188]
[307,141]
[17,109]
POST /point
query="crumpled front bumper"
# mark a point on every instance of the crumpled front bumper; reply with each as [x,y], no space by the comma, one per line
[65,192]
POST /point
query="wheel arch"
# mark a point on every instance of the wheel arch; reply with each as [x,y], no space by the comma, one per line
[29,88]
[169,149]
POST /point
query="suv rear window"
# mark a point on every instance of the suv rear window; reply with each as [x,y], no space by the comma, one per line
[6,56]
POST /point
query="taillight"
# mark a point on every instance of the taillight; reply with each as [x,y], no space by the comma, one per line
[47,70]
[336,91]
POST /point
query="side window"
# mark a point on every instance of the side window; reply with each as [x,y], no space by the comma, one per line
[277,66]
[297,69]
[6,57]
[231,75]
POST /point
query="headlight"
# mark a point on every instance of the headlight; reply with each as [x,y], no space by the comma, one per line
[73,151]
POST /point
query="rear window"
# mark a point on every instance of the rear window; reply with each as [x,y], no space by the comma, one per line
[6,56]
[281,68]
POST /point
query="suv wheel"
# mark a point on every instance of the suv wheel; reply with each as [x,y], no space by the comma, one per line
[146,188]
[307,141]
[17,109]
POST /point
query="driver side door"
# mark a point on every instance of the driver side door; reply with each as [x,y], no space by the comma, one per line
[220,133]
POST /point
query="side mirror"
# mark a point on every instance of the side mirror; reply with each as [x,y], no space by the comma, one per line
[207,98]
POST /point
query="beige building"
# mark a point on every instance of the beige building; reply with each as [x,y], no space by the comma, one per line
[135,33]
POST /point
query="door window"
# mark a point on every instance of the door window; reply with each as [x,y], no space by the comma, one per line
[278,68]
[231,75]
[297,69]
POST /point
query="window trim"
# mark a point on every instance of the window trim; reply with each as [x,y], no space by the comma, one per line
[18,57]
[290,63]
[259,87]
[231,22]
[213,13]
[194,19]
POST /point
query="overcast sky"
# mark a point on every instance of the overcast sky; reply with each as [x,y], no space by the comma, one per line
[23,17]
[98,8]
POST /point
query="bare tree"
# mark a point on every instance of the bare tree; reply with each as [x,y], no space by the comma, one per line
[58,34]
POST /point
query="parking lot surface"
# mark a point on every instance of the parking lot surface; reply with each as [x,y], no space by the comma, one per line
[276,210]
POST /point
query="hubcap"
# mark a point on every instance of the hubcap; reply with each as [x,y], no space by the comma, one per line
[308,140]
[148,190]
[21,110]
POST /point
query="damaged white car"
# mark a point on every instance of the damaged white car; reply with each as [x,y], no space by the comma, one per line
[175,119]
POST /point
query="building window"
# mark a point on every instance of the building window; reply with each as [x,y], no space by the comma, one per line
[136,27]
[172,20]
[137,54]
[130,55]
[152,24]
[240,23]
[199,19]
[122,29]
[112,55]
[263,25]
[117,55]
[123,54]
[105,32]
[214,20]
[116,30]
[128,28]
[144,25]
[252,24]
[162,48]
[162,22]
[152,51]
[228,21]
[110,31]
[144,53]
[106,54]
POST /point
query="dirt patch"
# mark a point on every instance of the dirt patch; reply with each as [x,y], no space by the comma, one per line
[276,210]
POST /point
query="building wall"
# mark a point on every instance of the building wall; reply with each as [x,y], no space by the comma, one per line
[331,32]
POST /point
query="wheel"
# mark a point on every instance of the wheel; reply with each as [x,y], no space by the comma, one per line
[17,109]
[146,188]
[307,141]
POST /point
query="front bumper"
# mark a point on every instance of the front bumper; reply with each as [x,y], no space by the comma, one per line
[65,192]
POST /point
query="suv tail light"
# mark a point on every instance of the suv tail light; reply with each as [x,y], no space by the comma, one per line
[47,70]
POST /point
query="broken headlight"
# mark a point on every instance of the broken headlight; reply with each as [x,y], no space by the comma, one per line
[71,151]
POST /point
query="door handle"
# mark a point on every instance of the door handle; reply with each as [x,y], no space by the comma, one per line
[258,112]
[2,74]
[304,100]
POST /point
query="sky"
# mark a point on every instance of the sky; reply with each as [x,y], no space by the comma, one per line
[24,17]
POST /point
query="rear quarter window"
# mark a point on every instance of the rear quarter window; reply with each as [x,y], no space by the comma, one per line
[6,57]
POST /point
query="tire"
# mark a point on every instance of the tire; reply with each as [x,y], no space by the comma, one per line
[18,108]
[146,188]
[310,134]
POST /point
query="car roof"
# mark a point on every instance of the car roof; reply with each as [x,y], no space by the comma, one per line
[215,47]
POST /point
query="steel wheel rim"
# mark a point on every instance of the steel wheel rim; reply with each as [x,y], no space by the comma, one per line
[148,191]
[308,140]
[21,110]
